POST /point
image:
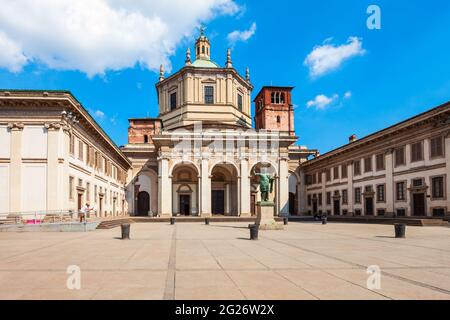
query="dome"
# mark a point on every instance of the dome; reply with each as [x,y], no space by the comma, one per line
[201,63]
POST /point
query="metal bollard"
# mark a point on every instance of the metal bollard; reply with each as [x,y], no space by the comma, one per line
[172,221]
[400,230]
[324,219]
[125,231]
[286,220]
[207,221]
[253,231]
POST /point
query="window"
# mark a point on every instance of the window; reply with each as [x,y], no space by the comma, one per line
[145,138]
[88,154]
[368,189]
[80,149]
[314,178]
[400,188]
[344,171]
[88,192]
[417,183]
[401,212]
[239,101]
[319,177]
[72,144]
[344,196]
[95,193]
[436,147]
[357,195]
[381,212]
[309,199]
[71,179]
[328,198]
[437,187]
[380,193]
[209,94]
[380,162]
[282,98]
[173,101]
[336,173]
[320,199]
[357,167]
[368,164]
[400,156]
[438,212]
[416,152]
[278,119]
[328,174]
[357,212]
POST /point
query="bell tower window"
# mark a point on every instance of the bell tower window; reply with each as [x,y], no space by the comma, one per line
[145,138]
[239,101]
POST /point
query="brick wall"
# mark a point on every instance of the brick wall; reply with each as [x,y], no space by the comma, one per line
[142,130]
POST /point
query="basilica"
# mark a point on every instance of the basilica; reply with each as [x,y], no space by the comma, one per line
[201,155]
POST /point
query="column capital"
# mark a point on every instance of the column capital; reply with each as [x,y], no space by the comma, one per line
[15,126]
[53,126]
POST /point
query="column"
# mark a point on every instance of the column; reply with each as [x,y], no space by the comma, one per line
[164,188]
[54,193]
[284,186]
[390,189]
[245,188]
[15,167]
[302,193]
[227,199]
[205,196]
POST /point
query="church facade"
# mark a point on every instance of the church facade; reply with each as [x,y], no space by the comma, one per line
[200,156]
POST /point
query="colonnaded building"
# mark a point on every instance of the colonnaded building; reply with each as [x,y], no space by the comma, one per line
[201,155]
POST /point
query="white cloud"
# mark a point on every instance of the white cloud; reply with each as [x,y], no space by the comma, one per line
[321,101]
[328,57]
[243,36]
[11,56]
[348,95]
[94,36]
[99,114]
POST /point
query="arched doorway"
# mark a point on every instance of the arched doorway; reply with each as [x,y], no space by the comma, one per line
[185,189]
[224,190]
[143,203]
[293,194]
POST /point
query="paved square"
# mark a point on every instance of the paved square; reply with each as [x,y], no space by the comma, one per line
[195,261]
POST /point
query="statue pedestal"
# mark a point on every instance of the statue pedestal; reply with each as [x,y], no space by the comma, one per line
[265,216]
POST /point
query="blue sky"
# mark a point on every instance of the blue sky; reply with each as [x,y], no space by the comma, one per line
[396,72]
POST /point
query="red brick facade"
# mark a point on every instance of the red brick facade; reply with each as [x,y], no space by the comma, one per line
[274,110]
[142,130]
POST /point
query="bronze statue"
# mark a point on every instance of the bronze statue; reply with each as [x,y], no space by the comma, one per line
[265,185]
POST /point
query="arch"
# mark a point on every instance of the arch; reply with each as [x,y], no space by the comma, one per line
[184,162]
[293,182]
[146,180]
[224,189]
[219,162]
[265,163]
[145,138]
[185,188]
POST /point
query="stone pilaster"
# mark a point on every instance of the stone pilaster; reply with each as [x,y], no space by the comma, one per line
[245,188]
[350,191]
[54,190]
[15,169]
[165,188]
[284,186]
[447,167]
[390,188]
[205,196]
[302,193]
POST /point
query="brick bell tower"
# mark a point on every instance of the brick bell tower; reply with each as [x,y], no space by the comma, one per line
[274,110]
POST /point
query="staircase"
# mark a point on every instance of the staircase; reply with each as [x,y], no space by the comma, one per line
[113,223]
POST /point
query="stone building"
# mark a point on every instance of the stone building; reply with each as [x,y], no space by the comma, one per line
[199,156]
[54,157]
[402,170]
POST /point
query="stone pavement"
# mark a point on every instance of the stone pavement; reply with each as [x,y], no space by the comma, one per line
[194,261]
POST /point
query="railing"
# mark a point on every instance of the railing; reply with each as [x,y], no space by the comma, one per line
[36,217]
